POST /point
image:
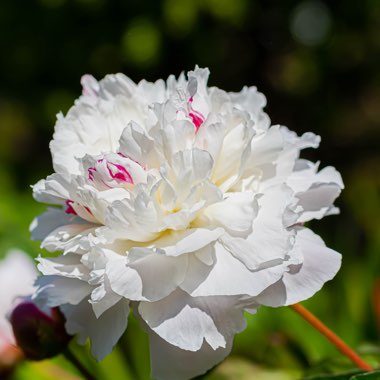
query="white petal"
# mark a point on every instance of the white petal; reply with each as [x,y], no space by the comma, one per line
[210,138]
[53,190]
[188,168]
[103,298]
[181,325]
[65,265]
[176,243]
[68,238]
[47,222]
[236,213]
[270,239]
[124,280]
[56,290]
[185,321]
[198,268]
[241,281]
[171,363]
[320,265]
[317,201]
[136,144]
[133,219]
[103,332]
[160,274]
[227,166]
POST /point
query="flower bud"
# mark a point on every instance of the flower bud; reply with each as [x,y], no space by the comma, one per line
[40,335]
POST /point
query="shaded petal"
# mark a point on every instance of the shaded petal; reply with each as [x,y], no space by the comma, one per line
[124,280]
[270,240]
[103,332]
[320,264]
[133,219]
[54,291]
[235,213]
[241,281]
[69,266]
[103,297]
[185,321]
[160,274]
[53,190]
[176,243]
[180,324]
[183,364]
[136,144]
[68,238]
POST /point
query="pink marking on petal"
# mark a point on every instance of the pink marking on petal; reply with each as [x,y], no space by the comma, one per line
[91,173]
[88,210]
[121,174]
[70,209]
[196,117]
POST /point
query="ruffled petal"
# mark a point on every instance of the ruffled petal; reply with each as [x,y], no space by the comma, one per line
[184,364]
[54,291]
[320,264]
[186,322]
[241,281]
[103,332]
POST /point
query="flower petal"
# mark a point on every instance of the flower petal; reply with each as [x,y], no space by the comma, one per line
[104,332]
[183,364]
[185,321]
[160,274]
[54,291]
[320,265]
[241,281]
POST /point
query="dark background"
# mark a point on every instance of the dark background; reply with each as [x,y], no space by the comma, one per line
[318,63]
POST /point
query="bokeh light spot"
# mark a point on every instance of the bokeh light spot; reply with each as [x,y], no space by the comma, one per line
[310,22]
[180,16]
[141,43]
[232,11]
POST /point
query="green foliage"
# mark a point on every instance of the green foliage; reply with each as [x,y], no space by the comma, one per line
[329,84]
[353,375]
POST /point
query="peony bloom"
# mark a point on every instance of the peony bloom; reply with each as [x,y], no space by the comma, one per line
[181,202]
[17,274]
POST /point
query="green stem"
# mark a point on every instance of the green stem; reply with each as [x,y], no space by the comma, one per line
[78,365]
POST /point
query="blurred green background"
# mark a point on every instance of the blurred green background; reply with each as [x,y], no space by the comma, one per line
[317,62]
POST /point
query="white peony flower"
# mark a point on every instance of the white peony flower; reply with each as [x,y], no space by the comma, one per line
[17,274]
[182,202]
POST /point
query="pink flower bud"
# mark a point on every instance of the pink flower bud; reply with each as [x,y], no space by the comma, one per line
[40,335]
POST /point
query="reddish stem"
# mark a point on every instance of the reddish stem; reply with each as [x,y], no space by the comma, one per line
[331,336]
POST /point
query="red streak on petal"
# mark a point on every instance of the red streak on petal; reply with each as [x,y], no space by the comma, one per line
[197,119]
[91,173]
[70,209]
[122,174]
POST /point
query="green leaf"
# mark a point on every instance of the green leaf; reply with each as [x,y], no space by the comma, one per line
[375,375]
[339,376]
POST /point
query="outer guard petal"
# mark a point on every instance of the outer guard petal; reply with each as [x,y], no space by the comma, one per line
[103,332]
[187,322]
[320,265]
[171,363]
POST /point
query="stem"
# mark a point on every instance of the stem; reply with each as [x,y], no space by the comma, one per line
[331,336]
[78,365]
